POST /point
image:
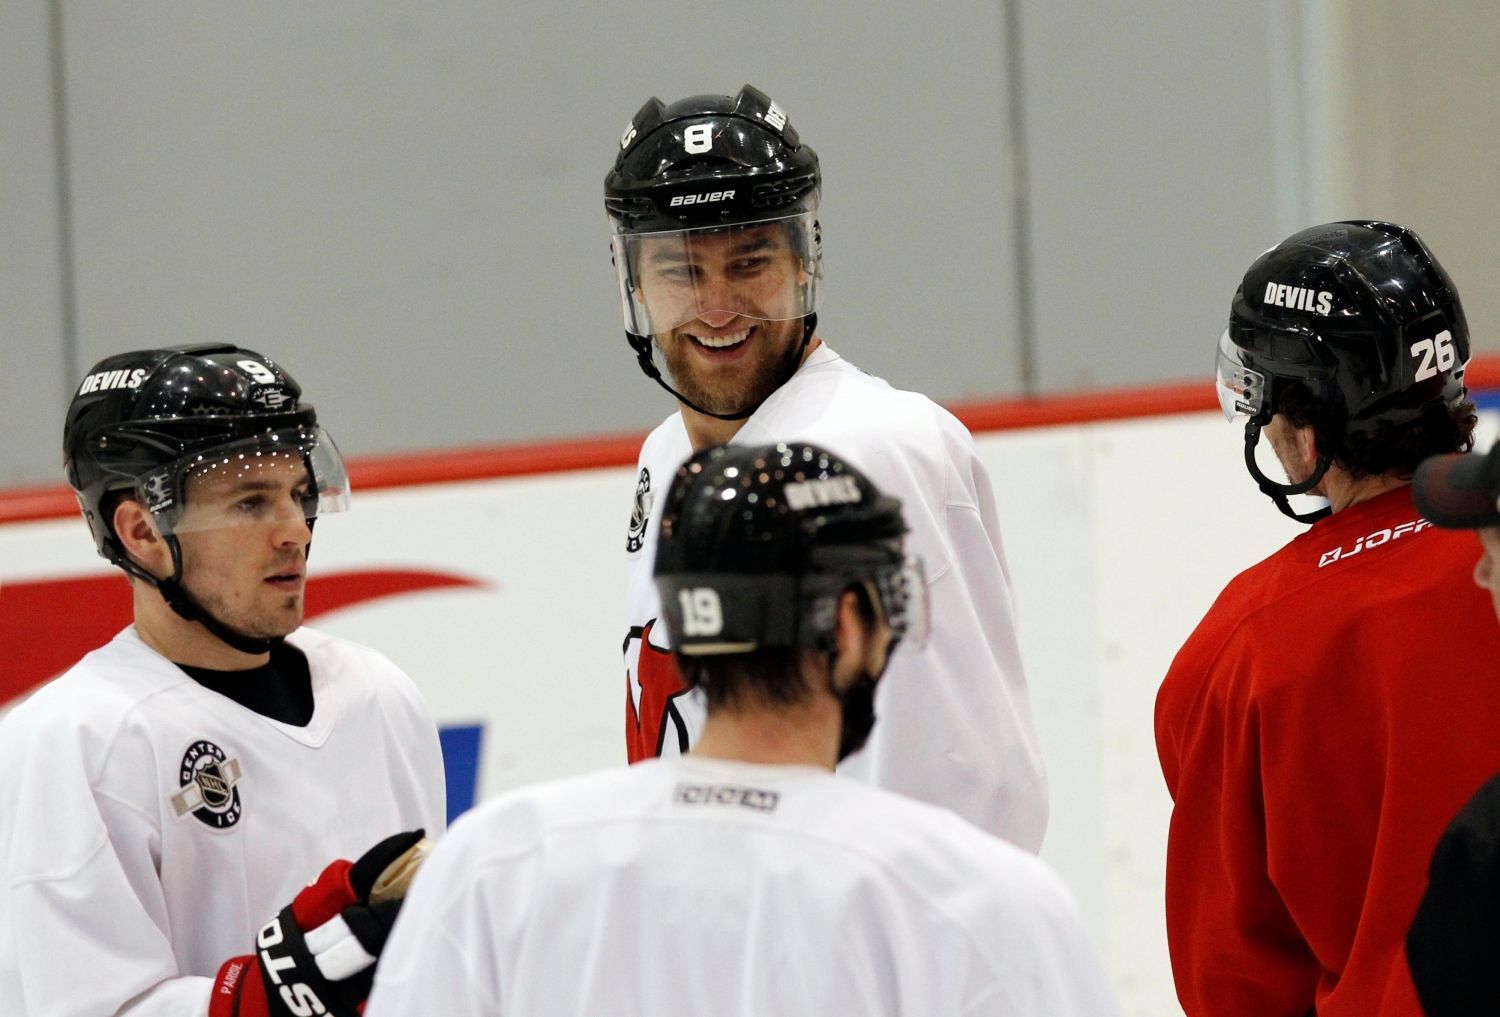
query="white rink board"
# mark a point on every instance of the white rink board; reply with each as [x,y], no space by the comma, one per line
[1118,535]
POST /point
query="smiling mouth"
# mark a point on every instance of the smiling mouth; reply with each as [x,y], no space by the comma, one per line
[722,342]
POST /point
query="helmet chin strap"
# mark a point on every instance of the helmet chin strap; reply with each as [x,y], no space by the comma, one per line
[789,364]
[1280,492]
[178,600]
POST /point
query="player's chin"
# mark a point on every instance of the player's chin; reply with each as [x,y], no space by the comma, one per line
[287,618]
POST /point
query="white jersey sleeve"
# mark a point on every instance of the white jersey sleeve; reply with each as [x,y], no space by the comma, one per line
[149,826]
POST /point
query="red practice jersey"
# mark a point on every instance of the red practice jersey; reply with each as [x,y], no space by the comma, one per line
[1337,705]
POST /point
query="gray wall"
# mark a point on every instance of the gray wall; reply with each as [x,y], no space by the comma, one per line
[403,203]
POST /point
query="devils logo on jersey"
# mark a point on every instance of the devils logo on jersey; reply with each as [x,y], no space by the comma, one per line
[640,513]
[649,697]
[207,780]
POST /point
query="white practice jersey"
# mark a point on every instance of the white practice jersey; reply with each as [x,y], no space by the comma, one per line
[955,725]
[149,826]
[701,886]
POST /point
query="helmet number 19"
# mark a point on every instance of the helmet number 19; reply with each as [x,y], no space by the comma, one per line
[702,614]
[698,139]
[1437,354]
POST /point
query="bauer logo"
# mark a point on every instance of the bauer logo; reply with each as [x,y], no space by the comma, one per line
[106,380]
[1373,540]
[808,494]
[700,199]
[208,792]
[158,490]
[1299,298]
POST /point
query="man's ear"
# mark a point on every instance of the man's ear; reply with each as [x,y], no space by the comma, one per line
[1307,444]
[143,543]
[855,631]
[849,628]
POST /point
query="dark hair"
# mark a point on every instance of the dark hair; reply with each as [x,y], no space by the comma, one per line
[1391,450]
[771,677]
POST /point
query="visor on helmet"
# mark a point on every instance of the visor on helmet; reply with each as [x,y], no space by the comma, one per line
[903,597]
[1242,389]
[255,480]
[765,271]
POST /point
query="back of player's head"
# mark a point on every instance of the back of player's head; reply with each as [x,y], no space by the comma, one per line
[1357,315]
[758,543]
[1352,329]
[141,422]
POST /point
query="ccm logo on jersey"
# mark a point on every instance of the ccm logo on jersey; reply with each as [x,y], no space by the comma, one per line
[1299,298]
[700,199]
[726,794]
[1375,539]
[106,380]
[299,998]
[808,494]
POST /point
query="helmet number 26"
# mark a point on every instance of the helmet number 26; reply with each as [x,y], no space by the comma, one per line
[1437,354]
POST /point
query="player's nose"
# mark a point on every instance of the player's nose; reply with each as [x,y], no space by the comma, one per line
[717,317]
[290,525]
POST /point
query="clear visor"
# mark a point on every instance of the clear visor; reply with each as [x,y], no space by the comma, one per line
[1242,389]
[903,594]
[289,474]
[764,271]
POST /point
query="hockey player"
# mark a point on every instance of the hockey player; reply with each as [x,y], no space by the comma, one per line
[713,203]
[167,796]
[1337,703]
[745,878]
[1455,937]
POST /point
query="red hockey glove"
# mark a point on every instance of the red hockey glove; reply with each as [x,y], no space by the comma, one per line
[318,955]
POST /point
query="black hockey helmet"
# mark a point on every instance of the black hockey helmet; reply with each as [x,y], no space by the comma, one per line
[711,163]
[1362,314]
[758,542]
[709,160]
[142,423]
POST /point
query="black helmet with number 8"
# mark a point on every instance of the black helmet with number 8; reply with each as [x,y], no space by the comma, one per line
[758,542]
[1361,314]
[712,163]
[142,423]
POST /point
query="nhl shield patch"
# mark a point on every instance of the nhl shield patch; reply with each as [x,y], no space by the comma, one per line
[640,513]
[207,789]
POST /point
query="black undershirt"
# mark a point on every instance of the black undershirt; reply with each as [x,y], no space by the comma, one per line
[280,689]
